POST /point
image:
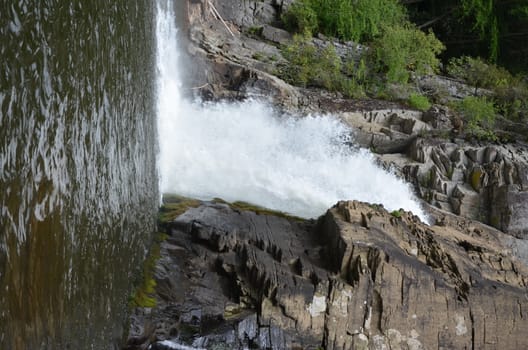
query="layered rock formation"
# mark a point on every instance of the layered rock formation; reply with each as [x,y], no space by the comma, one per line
[359,278]
[483,181]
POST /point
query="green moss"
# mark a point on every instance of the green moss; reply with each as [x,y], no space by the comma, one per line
[475,179]
[419,102]
[143,295]
[494,221]
[258,56]
[396,213]
[175,205]
[239,205]
[255,31]
[450,172]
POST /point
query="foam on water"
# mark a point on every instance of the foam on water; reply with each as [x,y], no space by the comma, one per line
[247,151]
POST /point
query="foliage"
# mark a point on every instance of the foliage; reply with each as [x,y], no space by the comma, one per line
[419,102]
[255,31]
[478,73]
[510,92]
[485,22]
[405,49]
[396,213]
[310,66]
[300,17]
[512,99]
[494,29]
[358,20]
[479,115]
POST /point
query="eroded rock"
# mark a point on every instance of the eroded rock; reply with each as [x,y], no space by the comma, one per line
[359,278]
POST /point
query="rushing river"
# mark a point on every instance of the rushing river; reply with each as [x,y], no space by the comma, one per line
[78,182]
[78,152]
[248,151]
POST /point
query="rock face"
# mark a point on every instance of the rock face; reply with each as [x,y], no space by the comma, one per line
[484,182]
[359,278]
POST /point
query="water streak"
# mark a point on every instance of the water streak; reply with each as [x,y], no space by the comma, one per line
[247,151]
[78,183]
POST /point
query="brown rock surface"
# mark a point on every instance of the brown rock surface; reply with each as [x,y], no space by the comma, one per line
[359,278]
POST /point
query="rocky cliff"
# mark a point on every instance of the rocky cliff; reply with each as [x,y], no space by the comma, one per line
[482,181]
[358,278]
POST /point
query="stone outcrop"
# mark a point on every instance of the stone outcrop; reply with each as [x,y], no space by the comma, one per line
[359,278]
[485,182]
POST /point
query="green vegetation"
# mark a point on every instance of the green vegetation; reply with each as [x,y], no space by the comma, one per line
[175,205]
[494,29]
[477,73]
[479,114]
[258,56]
[509,92]
[239,205]
[398,49]
[357,20]
[255,31]
[143,295]
[402,50]
[310,66]
[396,213]
[419,102]
[300,18]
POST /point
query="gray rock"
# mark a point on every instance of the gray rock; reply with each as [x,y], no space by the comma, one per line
[276,35]
[358,278]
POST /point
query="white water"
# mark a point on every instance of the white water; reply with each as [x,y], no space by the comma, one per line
[245,151]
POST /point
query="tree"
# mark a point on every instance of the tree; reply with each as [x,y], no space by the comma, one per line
[498,28]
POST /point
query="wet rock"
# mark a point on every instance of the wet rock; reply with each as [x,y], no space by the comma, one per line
[485,183]
[358,278]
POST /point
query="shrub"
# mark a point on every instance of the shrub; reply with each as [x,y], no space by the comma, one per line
[512,100]
[358,20]
[478,73]
[405,49]
[310,66]
[396,213]
[419,102]
[300,17]
[479,115]
[510,92]
[255,31]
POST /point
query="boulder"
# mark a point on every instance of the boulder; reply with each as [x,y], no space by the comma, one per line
[358,278]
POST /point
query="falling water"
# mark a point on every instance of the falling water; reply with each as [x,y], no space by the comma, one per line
[78,183]
[247,151]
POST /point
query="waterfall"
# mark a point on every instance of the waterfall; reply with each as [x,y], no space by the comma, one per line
[247,151]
